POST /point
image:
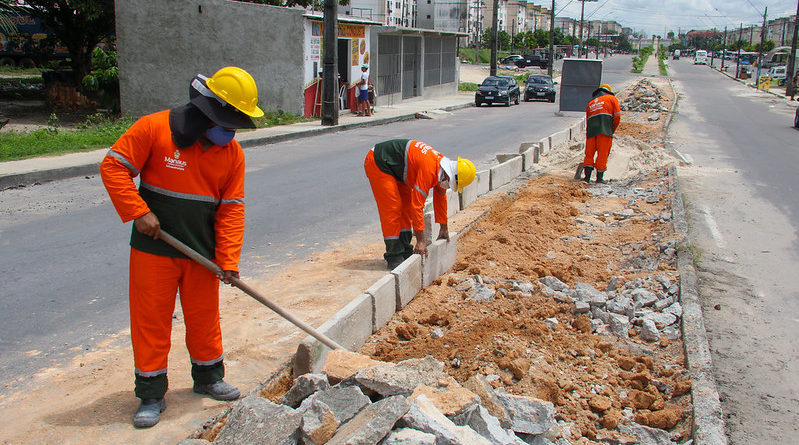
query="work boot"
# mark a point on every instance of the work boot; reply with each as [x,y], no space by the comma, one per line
[218,390]
[599,177]
[149,412]
[394,262]
[588,171]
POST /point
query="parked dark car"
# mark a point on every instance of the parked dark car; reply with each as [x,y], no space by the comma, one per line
[511,59]
[497,89]
[539,86]
[532,60]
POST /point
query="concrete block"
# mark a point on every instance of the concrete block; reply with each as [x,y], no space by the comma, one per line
[528,159]
[544,144]
[559,138]
[468,195]
[384,300]
[408,276]
[431,228]
[350,328]
[503,157]
[441,256]
[453,203]
[526,146]
[483,180]
[505,172]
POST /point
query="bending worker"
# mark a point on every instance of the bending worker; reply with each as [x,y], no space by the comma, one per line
[192,186]
[602,115]
[401,173]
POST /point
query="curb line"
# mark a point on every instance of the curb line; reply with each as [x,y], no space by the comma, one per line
[708,421]
[28,178]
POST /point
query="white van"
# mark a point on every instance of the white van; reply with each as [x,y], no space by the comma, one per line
[700,57]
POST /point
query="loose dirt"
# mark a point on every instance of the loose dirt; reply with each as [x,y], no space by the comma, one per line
[90,400]
[554,226]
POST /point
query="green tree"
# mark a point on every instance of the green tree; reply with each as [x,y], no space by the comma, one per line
[78,24]
[104,78]
[670,35]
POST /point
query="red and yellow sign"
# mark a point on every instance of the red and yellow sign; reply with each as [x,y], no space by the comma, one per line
[345,30]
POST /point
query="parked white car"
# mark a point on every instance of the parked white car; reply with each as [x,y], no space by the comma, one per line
[700,58]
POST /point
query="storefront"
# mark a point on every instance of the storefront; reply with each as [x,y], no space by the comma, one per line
[353,47]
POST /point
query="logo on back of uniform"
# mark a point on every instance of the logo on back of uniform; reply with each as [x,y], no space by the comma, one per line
[177,154]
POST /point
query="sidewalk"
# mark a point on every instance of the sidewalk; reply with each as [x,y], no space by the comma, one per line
[30,171]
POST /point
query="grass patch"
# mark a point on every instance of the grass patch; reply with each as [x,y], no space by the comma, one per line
[485,54]
[97,132]
[639,61]
[467,86]
[25,80]
[13,70]
[274,118]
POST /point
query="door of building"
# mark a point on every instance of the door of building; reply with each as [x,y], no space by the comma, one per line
[411,52]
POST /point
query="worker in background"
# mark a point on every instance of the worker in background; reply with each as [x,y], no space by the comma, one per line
[402,172]
[192,185]
[602,115]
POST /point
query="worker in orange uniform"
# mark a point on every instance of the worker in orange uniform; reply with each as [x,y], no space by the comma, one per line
[402,172]
[192,185]
[603,115]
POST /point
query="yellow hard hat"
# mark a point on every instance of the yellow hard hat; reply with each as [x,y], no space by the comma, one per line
[236,87]
[605,86]
[466,173]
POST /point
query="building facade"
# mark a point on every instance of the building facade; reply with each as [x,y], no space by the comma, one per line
[442,15]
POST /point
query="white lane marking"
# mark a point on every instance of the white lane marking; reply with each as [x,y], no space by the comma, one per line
[714,229]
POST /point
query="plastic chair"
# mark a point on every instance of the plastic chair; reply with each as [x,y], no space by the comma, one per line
[342,99]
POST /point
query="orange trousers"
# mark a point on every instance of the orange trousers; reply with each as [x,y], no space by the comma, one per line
[393,200]
[154,283]
[598,145]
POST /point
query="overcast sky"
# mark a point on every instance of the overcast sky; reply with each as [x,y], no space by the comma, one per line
[661,16]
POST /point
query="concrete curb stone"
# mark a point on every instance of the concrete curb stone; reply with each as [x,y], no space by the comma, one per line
[408,276]
[708,420]
[349,327]
[384,300]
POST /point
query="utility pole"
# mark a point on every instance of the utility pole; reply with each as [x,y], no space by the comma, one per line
[582,14]
[330,64]
[493,65]
[552,40]
[791,89]
[760,50]
[738,59]
[724,52]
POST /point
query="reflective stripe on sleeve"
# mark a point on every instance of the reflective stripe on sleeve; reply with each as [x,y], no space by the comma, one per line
[232,201]
[420,190]
[405,170]
[173,194]
[124,161]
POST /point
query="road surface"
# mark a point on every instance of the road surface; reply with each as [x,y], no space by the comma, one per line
[741,195]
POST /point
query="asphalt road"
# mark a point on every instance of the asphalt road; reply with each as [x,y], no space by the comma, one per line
[64,252]
[741,198]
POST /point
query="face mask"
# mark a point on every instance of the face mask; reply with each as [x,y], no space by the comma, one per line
[219,136]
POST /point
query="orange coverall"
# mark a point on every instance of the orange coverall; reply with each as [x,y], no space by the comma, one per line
[603,115]
[198,197]
[401,173]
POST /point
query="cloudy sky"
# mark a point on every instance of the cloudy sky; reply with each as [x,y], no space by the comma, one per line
[662,16]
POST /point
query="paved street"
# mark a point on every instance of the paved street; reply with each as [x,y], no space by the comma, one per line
[741,198]
[64,249]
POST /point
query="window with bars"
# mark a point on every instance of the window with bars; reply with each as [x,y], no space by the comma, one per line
[449,49]
[389,64]
[432,60]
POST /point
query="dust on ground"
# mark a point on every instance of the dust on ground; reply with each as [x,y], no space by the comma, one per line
[91,399]
[595,381]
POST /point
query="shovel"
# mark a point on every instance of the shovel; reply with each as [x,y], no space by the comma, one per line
[210,265]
